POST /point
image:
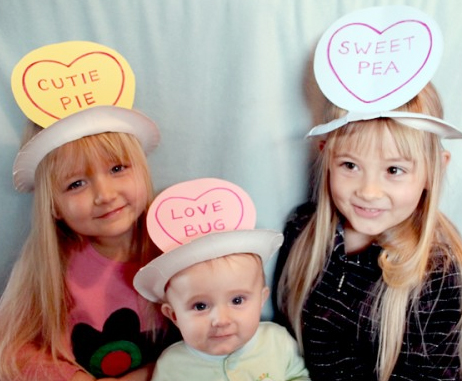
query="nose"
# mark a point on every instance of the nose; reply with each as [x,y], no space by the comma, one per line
[103,190]
[220,317]
[370,188]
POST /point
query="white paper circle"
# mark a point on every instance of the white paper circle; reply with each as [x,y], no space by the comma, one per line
[378,58]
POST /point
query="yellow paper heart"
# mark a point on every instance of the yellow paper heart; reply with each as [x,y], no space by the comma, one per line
[58,80]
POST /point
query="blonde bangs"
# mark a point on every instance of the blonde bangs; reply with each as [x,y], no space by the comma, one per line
[362,137]
[80,155]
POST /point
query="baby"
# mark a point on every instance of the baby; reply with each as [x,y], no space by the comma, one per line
[213,289]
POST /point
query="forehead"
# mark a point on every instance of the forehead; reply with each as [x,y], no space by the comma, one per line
[244,268]
[379,138]
[85,152]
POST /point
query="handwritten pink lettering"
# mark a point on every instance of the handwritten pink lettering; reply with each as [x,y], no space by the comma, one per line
[203,209]
[371,50]
[193,230]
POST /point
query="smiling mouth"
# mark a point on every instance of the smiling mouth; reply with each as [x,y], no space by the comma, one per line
[367,212]
[372,210]
[111,213]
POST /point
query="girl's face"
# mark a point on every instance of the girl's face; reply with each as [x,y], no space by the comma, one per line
[374,188]
[102,200]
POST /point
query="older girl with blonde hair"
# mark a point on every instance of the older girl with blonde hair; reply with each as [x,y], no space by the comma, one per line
[69,311]
[372,284]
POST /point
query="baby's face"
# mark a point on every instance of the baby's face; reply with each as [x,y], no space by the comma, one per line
[217,304]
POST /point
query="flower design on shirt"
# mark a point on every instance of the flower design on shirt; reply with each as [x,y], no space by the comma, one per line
[120,348]
[264,377]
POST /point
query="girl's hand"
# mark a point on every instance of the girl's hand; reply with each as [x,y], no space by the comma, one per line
[82,376]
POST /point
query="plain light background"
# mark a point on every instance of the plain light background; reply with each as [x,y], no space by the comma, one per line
[225,81]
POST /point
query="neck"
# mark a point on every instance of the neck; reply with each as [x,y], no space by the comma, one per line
[118,249]
[356,242]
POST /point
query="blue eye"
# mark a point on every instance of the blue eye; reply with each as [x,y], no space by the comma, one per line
[118,168]
[395,170]
[200,306]
[349,165]
[75,185]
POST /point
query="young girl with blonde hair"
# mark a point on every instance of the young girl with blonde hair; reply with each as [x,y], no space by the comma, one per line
[372,284]
[69,311]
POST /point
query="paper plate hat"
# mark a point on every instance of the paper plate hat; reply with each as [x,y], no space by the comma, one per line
[196,221]
[374,60]
[74,89]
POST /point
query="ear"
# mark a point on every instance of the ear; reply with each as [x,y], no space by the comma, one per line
[169,312]
[56,215]
[445,158]
[321,144]
[264,294]
[55,211]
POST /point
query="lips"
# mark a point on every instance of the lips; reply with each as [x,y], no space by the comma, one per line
[367,212]
[221,336]
[110,213]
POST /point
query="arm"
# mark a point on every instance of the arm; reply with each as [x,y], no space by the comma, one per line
[82,376]
[40,365]
[295,370]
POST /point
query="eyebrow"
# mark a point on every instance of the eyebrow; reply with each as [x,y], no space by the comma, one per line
[356,157]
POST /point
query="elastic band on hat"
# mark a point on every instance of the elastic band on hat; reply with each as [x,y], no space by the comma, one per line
[92,121]
[415,120]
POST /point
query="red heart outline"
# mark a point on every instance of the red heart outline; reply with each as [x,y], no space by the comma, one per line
[380,33]
[68,66]
[157,219]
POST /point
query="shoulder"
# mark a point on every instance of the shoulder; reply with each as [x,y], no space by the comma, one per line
[178,347]
[300,216]
[443,282]
[274,332]
[444,270]
[172,354]
[296,222]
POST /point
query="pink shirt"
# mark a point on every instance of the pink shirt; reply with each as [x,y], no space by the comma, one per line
[107,335]
[99,286]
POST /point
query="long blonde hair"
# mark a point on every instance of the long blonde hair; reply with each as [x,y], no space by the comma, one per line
[34,305]
[406,257]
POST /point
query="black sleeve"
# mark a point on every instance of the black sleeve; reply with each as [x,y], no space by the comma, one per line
[430,348]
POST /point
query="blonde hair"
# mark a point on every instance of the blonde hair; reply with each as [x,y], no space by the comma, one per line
[408,248]
[34,305]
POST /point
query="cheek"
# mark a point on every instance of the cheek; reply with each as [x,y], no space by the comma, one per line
[411,199]
[70,210]
[337,191]
[192,329]
[140,193]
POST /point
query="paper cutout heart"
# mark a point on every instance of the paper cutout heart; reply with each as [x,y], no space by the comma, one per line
[191,209]
[70,87]
[55,81]
[183,218]
[373,64]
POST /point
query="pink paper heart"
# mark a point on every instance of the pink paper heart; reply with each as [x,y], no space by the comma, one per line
[373,64]
[183,218]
